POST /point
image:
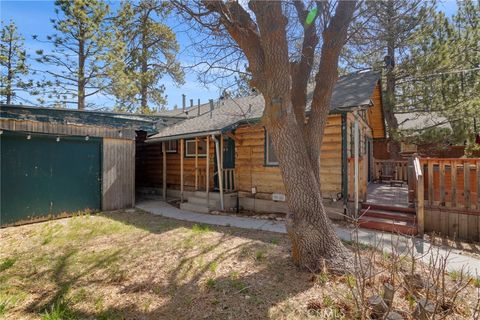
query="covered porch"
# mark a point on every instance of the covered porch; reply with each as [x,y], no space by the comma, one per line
[198,170]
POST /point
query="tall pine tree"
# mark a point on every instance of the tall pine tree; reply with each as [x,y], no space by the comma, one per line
[151,52]
[79,61]
[385,31]
[13,60]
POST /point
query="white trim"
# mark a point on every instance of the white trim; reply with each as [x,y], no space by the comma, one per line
[168,146]
[267,145]
[187,154]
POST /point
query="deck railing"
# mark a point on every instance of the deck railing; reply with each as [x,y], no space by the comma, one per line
[384,170]
[229,179]
[417,183]
[452,182]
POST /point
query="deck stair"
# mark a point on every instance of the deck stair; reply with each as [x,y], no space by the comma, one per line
[394,219]
[198,201]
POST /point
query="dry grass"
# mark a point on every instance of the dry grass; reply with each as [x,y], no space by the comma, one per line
[139,266]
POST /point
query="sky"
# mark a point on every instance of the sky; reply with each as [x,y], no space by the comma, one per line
[33,17]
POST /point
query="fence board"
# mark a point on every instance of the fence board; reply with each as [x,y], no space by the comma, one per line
[442,183]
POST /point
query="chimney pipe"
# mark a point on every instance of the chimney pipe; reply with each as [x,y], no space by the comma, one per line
[211,107]
[198,107]
[183,102]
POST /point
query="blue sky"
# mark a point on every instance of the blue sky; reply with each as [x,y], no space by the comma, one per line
[33,17]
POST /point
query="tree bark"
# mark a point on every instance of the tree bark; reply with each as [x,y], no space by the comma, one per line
[144,68]
[313,237]
[389,110]
[8,87]
[81,72]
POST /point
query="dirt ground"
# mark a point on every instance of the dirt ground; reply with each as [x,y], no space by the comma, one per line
[134,265]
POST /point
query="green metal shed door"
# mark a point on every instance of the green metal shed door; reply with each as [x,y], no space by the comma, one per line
[41,177]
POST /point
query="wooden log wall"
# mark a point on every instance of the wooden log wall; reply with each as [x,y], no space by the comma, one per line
[118,178]
[251,170]
[150,168]
[365,131]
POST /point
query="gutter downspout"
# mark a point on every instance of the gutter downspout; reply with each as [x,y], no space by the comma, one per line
[219,170]
[344,163]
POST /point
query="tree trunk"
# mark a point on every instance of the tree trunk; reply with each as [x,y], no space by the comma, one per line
[81,74]
[8,87]
[144,69]
[389,109]
[313,237]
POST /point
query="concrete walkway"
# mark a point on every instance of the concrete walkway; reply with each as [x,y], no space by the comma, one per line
[385,241]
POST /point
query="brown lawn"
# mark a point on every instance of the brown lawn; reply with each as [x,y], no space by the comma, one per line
[139,266]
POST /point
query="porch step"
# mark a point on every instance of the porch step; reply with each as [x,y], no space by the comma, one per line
[203,201]
[194,207]
[388,225]
[382,214]
[373,206]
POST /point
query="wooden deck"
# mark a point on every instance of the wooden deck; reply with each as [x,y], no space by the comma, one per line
[384,194]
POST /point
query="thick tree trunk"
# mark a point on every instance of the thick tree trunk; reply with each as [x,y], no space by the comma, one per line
[313,237]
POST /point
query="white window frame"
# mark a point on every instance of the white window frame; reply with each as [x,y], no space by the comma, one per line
[187,154]
[267,148]
[169,148]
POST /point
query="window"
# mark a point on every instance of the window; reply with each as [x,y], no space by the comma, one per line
[190,148]
[270,157]
[172,146]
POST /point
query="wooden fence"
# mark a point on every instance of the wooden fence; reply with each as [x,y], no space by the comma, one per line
[448,200]
[390,170]
[452,183]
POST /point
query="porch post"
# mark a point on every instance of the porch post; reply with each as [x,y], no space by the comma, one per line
[356,145]
[196,163]
[219,170]
[164,147]
[207,170]
[181,169]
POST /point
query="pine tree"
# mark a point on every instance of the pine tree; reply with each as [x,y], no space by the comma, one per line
[151,51]
[444,70]
[79,57]
[13,60]
[384,33]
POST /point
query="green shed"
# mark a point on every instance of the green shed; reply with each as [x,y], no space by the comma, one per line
[55,162]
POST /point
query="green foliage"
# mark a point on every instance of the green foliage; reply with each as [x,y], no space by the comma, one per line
[58,311]
[7,264]
[82,54]
[150,53]
[444,70]
[201,228]
[13,60]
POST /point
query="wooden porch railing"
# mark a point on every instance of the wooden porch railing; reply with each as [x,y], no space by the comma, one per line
[416,183]
[229,179]
[452,182]
[384,170]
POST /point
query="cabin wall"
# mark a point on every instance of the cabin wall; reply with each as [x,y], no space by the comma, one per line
[150,168]
[365,132]
[375,114]
[251,171]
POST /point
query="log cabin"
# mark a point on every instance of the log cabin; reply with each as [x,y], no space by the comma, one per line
[222,157]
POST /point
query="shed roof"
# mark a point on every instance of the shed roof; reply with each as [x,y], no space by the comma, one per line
[149,123]
[416,122]
[352,90]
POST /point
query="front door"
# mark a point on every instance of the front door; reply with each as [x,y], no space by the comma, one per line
[228,163]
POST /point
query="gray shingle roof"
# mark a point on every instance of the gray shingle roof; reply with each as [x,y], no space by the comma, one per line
[416,122]
[352,90]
